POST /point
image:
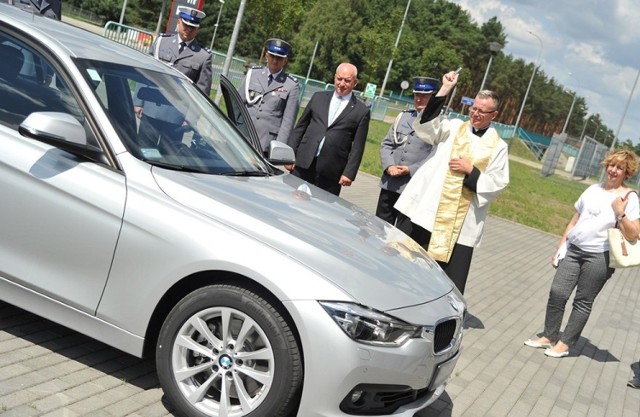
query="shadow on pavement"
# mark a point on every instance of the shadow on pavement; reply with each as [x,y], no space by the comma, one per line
[472,322]
[584,347]
[78,348]
[443,407]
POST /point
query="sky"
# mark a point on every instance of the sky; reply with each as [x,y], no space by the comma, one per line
[591,47]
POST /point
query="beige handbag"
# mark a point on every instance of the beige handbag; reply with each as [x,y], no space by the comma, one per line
[622,253]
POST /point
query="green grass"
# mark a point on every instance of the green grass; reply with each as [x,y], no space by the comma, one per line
[542,203]
[371,158]
[519,149]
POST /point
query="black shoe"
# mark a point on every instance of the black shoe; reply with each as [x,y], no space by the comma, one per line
[634,383]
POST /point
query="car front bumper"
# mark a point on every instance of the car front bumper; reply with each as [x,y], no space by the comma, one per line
[396,381]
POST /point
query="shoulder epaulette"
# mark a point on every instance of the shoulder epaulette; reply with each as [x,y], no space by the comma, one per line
[166,34]
[291,78]
[257,67]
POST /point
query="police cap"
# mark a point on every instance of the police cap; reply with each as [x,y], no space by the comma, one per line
[190,16]
[424,85]
[278,47]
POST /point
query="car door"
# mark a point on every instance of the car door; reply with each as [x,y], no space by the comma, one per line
[61,213]
[238,113]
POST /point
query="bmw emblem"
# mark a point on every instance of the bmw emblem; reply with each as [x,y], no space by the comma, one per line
[225,361]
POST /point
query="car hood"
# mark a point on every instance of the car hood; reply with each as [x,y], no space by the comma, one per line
[369,259]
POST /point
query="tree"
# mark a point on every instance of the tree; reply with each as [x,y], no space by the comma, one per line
[321,24]
[438,36]
[107,9]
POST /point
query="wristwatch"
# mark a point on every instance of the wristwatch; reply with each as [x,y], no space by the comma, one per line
[620,217]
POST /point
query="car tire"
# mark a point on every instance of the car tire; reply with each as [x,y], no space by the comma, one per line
[225,351]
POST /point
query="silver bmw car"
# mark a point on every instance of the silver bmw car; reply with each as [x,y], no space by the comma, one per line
[257,293]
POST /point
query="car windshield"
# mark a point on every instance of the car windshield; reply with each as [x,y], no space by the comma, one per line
[164,120]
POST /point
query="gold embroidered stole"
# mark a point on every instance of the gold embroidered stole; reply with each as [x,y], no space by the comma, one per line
[455,198]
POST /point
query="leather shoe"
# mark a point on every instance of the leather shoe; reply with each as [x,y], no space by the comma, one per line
[553,354]
[536,344]
[634,383]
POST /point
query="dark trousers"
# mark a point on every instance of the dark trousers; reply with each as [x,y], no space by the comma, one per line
[386,200]
[311,176]
[457,269]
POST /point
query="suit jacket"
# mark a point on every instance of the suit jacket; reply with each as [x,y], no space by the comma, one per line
[274,107]
[344,140]
[194,61]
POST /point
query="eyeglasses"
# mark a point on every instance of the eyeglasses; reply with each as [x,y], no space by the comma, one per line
[480,112]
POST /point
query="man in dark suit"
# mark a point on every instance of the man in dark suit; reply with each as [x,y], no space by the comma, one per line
[330,136]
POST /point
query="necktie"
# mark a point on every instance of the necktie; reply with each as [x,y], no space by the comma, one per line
[270,79]
[182,45]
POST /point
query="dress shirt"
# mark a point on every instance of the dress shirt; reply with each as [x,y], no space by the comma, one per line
[337,105]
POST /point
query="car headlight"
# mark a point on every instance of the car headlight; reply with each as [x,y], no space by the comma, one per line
[368,326]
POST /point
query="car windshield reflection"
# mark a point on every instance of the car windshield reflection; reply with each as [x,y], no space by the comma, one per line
[165,121]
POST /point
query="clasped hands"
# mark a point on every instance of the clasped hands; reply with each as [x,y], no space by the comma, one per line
[397,170]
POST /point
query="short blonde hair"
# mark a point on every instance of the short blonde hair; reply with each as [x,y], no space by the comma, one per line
[623,156]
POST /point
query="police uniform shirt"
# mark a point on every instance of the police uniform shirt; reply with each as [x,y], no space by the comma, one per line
[194,61]
[272,106]
[411,151]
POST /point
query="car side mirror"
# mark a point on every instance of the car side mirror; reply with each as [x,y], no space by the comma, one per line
[53,128]
[63,131]
[281,153]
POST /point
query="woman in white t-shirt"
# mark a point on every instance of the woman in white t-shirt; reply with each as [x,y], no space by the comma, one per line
[585,265]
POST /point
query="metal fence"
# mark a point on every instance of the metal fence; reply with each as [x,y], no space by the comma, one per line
[308,87]
[237,69]
[589,158]
[80,13]
[132,37]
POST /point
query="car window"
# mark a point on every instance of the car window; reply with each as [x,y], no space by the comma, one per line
[237,112]
[29,83]
[163,119]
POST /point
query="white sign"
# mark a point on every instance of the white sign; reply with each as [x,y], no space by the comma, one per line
[370,90]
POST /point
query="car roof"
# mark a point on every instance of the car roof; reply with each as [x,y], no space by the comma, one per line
[69,40]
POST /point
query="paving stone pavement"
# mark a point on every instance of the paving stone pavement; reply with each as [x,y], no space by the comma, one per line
[49,370]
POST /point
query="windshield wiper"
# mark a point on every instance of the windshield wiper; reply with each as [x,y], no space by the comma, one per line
[245,174]
[176,167]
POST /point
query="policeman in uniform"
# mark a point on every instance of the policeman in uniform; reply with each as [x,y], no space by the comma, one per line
[182,52]
[271,95]
[402,152]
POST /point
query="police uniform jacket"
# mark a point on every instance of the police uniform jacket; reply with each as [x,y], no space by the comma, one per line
[273,107]
[194,61]
[401,146]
